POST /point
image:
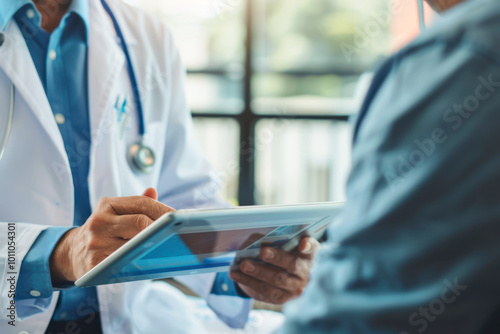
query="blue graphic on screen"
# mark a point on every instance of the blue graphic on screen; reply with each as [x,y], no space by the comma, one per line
[193,251]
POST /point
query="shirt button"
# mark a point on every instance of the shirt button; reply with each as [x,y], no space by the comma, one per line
[30,13]
[60,119]
[225,288]
[52,54]
[35,293]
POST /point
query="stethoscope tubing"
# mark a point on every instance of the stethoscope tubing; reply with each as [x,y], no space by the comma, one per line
[421,14]
[130,68]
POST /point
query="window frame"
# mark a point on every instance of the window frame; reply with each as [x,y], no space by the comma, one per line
[248,118]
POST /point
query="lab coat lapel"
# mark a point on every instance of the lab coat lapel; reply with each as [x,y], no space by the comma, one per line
[16,62]
[106,72]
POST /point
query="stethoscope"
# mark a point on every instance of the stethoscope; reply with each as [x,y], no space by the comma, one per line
[421,17]
[379,78]
[140,156]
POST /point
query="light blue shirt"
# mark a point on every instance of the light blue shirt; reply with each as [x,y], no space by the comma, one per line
[418,250]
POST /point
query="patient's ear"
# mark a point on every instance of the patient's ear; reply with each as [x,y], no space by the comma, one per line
[152,193]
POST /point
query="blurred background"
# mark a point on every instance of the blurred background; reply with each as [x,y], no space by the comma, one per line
[273,86]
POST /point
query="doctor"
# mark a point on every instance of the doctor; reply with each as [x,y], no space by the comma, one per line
[420,251]
[92,113]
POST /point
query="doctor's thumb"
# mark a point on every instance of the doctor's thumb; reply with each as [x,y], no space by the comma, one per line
[152,193]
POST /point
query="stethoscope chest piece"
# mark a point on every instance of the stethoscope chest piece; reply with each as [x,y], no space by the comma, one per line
[142,158]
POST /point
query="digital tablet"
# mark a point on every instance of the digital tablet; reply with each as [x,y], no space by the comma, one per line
[203,241]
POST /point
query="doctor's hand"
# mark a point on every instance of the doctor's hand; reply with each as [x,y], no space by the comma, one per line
[112,224]
[282,277]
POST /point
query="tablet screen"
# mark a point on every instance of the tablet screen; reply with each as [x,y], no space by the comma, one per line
[198,250]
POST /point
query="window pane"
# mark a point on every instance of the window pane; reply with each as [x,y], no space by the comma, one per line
[219,140]
[210,36]
[215,94]
[323,34]
[301,161]
[319,94]
[309,55]
[282,85]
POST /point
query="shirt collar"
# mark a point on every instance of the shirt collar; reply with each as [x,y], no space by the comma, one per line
[8,8]
[82,8]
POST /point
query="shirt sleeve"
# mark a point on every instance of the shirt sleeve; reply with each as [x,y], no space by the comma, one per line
[34,276]
[418,250]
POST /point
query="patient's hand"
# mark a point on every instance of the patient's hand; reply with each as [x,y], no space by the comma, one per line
[284,275]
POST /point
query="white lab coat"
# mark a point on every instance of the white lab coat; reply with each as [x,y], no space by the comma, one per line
[36,188]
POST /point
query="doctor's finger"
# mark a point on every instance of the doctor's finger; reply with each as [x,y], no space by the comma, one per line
[127,226]
[135,205]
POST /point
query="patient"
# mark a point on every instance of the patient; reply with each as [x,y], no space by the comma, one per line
[419,251]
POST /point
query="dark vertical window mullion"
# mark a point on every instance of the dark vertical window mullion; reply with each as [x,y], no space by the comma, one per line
[247,120]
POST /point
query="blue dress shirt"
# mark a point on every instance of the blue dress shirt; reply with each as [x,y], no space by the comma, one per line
[60,59]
